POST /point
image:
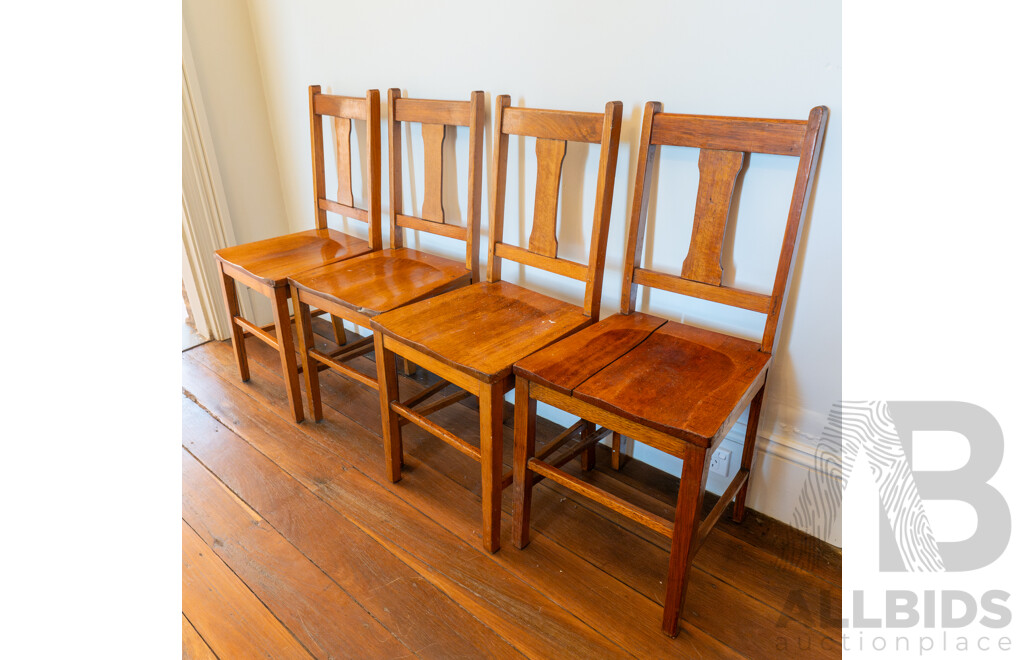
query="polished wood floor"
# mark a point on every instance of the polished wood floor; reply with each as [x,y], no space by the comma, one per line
[295,545]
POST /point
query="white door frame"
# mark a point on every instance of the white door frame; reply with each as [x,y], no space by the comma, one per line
[205,222]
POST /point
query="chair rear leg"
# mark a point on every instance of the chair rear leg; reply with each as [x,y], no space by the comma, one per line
[310,370]
[387,381]
[684,534]
[227,287]
[492,407]
[524,449]
[286,347]
[339,331]
[753,417]
[589,455]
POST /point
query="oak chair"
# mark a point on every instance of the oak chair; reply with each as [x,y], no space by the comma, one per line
[471,337]
[673,386]
[264,266]
[360,288]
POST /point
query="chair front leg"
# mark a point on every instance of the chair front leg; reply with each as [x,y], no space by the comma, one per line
[492,406]
[684,534]
[753,417]
[387,381]
[310,370]
[286,348]
[227,287]
[524,449]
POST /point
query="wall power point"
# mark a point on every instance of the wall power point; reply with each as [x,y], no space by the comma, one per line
[720,462]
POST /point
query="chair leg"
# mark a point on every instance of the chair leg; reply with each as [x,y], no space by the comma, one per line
[616,450]
[492,406]
[227,287]
[408,368]
[589,456]
[753,417]
[285,346]
[339,331]
[387,380]
[304,326]
[525,449]
[684,534]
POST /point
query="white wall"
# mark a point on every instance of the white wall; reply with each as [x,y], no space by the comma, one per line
[231,85]
[767,59]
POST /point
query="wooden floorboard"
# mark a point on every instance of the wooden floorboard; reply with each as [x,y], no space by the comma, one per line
[407,555]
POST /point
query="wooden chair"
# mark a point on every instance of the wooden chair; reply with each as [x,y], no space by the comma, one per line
[360,288]
[472,336]
[265,266]
[673,386]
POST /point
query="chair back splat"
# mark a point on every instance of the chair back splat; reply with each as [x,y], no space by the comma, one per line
[342,110]
[435,118]
[723,143]
[552,130]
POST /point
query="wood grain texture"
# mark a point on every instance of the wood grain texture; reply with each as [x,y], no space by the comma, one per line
[646,153]
[420,536]
[553,124]
[681,380]
[584,528]
[343,158]
[381,281]
[431,624]
[567,363]
[718,170]
[484,328]
[321,615]
[433,172]
[430,111]
[192,645]
[230,618]
[770,136]
[272,260]
[544,236]
[422,523]
[352,107]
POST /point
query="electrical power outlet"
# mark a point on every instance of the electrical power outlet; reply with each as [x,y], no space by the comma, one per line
[720,462]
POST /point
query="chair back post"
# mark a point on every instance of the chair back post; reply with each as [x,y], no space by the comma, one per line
[610,132]
[316,132]
[638,214]
[809,154]
[373,167]
[497,192]
[477,115]
[395,169]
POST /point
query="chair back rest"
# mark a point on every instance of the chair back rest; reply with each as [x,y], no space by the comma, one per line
[552,128]
[723,143]
[435,117]
[343,109]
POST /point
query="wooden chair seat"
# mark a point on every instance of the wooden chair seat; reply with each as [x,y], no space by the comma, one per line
[381,281]
[273,260]
[678,379]
[484,328]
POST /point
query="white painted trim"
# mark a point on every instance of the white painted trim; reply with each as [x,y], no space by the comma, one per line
[206,224]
